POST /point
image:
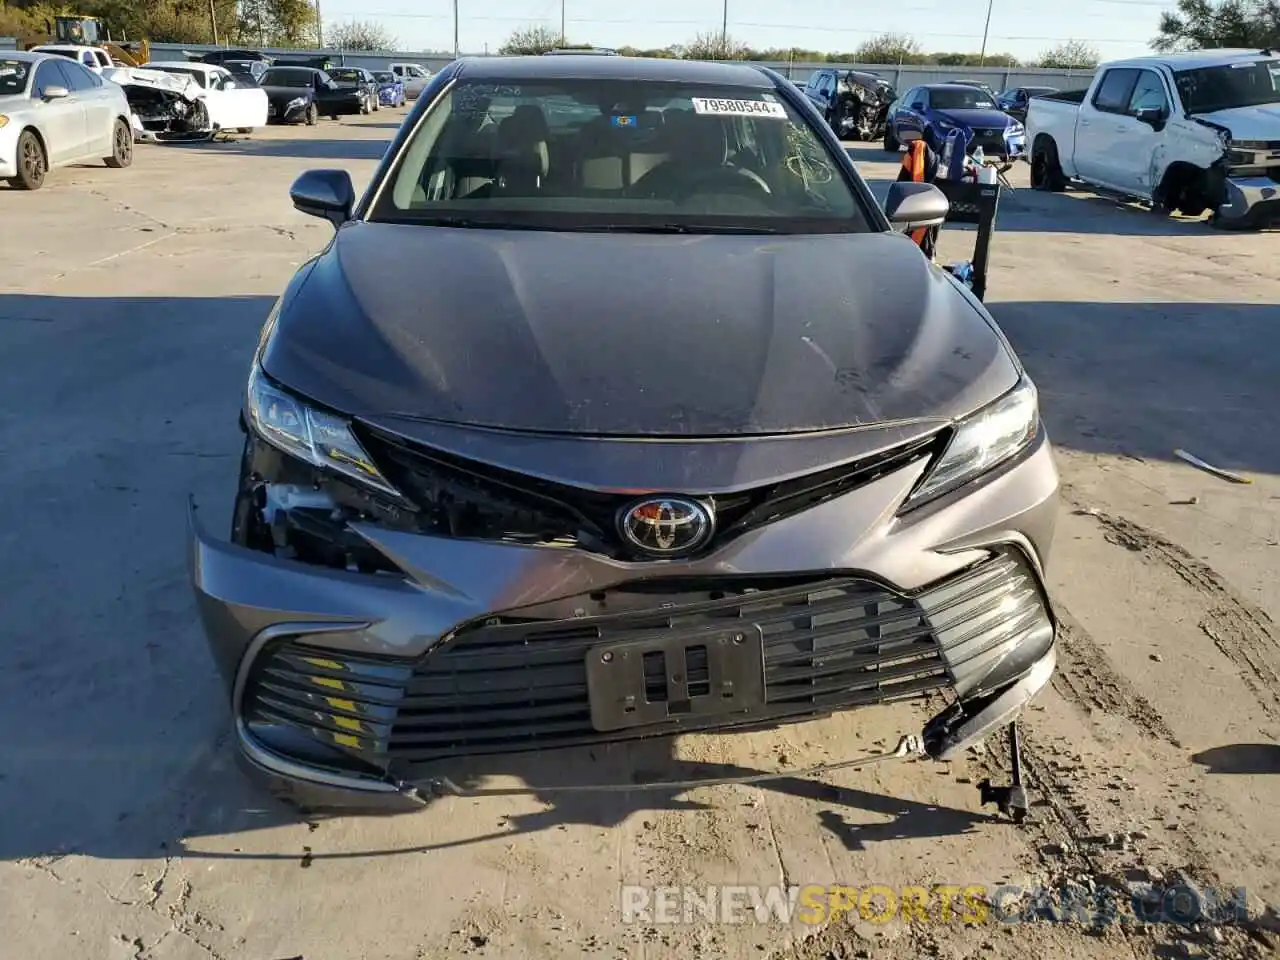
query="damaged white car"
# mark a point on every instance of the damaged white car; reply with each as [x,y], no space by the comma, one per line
[190,101]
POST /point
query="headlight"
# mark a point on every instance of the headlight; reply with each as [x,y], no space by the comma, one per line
[314,436]
[944,124]
[1014,129]
[296,102]
[4,121]
[987,438]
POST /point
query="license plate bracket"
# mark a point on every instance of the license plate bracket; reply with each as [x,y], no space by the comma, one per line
[667,677]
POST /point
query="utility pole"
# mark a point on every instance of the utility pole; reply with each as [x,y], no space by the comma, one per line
[455,29]
[724,26]
[213,22]
[319,28]
[982,60]
[562,39]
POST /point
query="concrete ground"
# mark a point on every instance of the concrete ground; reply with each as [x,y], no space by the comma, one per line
[129,305]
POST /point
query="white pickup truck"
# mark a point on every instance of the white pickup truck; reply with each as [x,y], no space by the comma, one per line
[1189,131]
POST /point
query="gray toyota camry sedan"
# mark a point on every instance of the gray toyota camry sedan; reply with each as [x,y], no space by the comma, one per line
[618,408]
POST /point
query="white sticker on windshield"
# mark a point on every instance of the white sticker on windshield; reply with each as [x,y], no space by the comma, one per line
[739,108]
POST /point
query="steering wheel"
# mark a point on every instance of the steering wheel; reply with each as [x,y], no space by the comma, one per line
[726,180]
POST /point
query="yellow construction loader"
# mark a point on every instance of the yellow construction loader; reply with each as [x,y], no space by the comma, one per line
[93,32]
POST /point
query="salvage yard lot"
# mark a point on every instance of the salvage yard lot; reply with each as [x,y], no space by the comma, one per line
[129,306]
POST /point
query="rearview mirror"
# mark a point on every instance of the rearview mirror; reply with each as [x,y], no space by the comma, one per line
[914,205]
[55,93]
[327,194]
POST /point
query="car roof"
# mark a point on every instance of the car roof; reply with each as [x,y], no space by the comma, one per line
[949,85]
[614,68]
[64,46]
[294,66]
[27,56]
[1195,59]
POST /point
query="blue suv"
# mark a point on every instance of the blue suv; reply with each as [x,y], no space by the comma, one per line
[933,110]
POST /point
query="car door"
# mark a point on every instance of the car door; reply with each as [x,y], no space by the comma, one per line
[239,102]
[1138,139]
[99,107]
[67,129]
[911,115]
[1100,127]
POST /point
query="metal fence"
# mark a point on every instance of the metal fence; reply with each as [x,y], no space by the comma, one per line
[902,77]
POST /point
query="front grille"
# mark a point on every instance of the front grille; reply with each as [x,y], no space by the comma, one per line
[466,498]
[518,682]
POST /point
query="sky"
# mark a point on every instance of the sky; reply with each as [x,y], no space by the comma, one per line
[1024,28]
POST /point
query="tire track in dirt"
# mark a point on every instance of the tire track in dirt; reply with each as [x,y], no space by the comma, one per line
[1086,676]
[1243,633]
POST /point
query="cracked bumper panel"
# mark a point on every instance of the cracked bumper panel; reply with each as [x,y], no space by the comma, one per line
[478,647]
[1254,199]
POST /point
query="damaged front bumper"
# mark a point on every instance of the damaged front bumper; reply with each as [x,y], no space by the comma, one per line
[165,106]
[1252,201]
[351,687]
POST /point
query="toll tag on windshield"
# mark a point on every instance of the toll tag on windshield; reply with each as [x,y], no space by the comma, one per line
[739,108]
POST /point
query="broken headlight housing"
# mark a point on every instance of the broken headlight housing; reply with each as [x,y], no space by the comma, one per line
[982,441]
[297,103]
[314,436]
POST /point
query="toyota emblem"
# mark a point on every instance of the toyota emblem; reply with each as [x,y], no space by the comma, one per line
[666,526]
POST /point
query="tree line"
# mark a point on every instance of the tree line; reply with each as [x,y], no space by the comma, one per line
[255,23]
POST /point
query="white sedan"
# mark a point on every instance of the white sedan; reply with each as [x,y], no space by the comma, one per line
[54,112]
[233,101]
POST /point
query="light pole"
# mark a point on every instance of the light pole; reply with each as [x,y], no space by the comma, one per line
[455,29]
[724,25]
[562,39]
[319,28]
[982,59]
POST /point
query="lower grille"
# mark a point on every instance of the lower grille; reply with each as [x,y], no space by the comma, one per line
[516,683]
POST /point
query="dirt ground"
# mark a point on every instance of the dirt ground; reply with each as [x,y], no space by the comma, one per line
[129,304]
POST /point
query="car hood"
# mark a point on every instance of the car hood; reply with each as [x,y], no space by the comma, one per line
[986,117]
[634,334]
[1261,122]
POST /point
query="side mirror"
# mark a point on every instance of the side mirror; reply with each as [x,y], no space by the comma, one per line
[55,93]
[914,205]
[324,193]
[1154,116]
[918,105]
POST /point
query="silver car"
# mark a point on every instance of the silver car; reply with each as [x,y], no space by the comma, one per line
[54,112]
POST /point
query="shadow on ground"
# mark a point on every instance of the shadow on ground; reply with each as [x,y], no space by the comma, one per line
[1144,379]
[1241,758]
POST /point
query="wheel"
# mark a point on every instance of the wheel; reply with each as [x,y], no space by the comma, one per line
[1046,171]
[890,141]
[377,104]
[333,116]
[33,162]
[364,106]
[121,146]
[311,116]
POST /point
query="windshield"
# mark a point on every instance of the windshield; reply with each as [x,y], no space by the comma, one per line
[583,154]
[345,76]
[13,77]
[1247,84]
[286,78]
[197,75]
[385,77]
[959,98]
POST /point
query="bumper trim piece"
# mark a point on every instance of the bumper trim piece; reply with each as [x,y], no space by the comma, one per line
[956,728]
